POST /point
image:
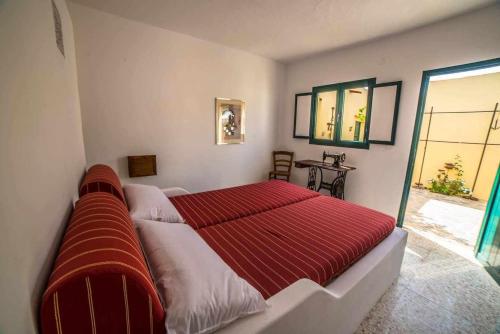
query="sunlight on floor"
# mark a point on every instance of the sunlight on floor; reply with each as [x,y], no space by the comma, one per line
[466,252]
[452,223]
[414,253]
[438,291]
[462,222]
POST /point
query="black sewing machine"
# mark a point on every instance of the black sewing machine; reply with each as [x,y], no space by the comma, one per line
[338,158]
[339,170]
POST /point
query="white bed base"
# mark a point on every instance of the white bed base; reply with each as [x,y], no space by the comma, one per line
[340,307]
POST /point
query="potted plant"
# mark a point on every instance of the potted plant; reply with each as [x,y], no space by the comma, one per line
[449,180]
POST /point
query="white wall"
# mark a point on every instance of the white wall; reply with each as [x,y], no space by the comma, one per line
[378,181]
[41,150]
[146,90]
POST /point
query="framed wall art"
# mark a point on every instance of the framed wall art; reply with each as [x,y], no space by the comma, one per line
[230,121]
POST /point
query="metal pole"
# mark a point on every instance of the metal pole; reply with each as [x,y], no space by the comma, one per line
[425,146]
[484,147]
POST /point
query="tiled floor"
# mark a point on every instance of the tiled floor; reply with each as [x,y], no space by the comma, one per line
[438,291]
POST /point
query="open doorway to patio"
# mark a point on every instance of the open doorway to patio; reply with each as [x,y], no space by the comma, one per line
[455,155]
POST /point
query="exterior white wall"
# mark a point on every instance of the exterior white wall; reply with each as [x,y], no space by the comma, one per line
[147,90]
[41,149]
[378,181]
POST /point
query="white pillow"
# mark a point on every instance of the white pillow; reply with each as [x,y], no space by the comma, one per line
[143,200]
[200,291]
[174,191]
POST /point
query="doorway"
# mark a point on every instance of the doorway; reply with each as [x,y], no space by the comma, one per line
[455,155]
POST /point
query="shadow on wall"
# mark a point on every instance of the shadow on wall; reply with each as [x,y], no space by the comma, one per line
[42,277]
[122,167]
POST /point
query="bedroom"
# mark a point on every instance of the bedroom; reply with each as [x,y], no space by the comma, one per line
[138,80]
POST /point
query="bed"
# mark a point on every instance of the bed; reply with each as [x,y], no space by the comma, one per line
[318,238]
[321,283]
[218,206]
[320,262]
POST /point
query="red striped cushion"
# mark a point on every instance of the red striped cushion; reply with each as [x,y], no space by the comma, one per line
[100,282]
[318,238]
[102,178]
[217,206]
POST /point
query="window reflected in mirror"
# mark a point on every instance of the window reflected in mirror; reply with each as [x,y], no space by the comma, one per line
[354,114]
[326,103]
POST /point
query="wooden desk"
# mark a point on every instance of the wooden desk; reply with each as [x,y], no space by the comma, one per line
[336,187]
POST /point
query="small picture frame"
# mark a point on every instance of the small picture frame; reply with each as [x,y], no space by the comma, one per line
[230,121]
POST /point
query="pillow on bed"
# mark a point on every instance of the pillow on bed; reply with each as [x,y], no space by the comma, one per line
[145,201]
[200,291]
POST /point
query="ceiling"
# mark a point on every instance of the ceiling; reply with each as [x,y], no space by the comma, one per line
[286,30]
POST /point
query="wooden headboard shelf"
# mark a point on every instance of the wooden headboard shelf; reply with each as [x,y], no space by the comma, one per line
[141,165]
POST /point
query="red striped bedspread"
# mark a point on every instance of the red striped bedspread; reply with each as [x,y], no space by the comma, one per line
[318,238]
[218,206]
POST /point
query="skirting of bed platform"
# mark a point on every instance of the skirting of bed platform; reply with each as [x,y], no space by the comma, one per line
[340,307]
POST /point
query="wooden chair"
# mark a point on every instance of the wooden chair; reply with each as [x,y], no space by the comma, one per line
[282,165]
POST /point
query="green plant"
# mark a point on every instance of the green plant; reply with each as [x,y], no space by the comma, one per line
[449,180]
[361,115]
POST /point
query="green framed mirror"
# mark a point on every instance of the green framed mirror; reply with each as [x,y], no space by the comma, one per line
[384,112]
[301,115]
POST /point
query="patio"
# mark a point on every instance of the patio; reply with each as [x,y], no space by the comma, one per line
[452,222]
[442,287]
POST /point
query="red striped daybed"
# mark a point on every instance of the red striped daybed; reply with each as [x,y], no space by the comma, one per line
[102,178]
[318,239]
[218,206]
[100,282]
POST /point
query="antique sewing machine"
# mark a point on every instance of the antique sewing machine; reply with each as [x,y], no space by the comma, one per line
[338,158]
[335,165]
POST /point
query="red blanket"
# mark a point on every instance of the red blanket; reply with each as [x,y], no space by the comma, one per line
[318,238]
[217,206]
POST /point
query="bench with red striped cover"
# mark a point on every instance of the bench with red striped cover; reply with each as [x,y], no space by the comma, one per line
[102,178]
[100,282]
[318,238]
[218,206]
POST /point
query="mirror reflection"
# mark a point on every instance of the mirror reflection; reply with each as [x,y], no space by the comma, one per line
[326,103]
[354,114]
